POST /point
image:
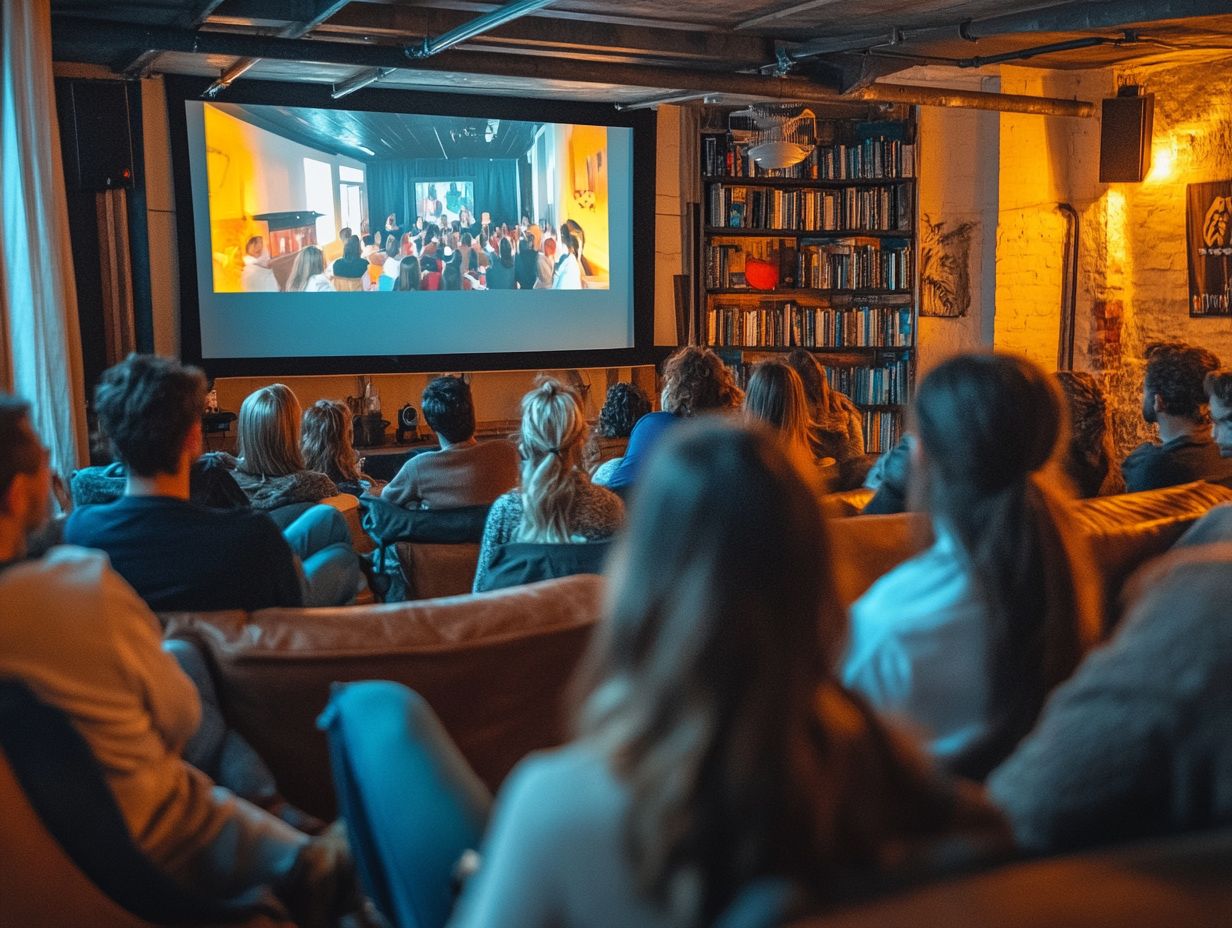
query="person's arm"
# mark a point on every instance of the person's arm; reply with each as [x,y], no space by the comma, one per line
[283,570]
[494,533]
[404,488]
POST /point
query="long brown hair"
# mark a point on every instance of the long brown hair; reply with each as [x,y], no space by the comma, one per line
[988,424]
[826,402]
[327,440]
[268,432]
[775,396]
[553,436]
[709,687]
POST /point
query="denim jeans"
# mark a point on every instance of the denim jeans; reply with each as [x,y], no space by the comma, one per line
[322,541]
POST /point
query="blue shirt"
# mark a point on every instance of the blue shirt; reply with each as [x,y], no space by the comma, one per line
[642,441]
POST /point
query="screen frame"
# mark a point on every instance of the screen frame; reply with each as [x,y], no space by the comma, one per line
[181,89]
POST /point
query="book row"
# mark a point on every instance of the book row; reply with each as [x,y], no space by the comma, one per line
[843,266]
[789,325]
[874,158]
[890,208]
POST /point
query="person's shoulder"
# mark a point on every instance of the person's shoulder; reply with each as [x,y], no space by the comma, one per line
[603,499]
[915,590]
[567,783]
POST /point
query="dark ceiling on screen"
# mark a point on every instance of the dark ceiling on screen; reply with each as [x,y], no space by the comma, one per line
[391,135]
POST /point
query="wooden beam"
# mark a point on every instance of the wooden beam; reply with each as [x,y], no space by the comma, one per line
[140,64]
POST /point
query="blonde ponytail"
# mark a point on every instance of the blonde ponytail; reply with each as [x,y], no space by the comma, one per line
[553,435]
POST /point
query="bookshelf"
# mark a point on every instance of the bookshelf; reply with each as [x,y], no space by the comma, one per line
[823,256]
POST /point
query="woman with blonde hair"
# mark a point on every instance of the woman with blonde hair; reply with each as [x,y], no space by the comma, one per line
[328,448]
[775,396]
[555,501]
[308,272]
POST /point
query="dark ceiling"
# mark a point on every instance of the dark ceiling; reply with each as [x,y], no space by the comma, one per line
[390,135]
[586,49]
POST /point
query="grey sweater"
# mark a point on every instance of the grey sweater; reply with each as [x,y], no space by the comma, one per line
[1139,741]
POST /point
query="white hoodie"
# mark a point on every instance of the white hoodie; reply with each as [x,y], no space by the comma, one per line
[257,276]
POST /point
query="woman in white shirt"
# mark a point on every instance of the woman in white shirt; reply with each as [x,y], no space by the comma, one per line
[308,272]
[967,639]
[568,272]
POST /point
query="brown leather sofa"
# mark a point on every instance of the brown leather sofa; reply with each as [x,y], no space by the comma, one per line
[493,666]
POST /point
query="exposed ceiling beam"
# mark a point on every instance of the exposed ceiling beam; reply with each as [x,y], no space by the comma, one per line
[323,11]
[494,19]
[140,64]
[75,37]
[793,10]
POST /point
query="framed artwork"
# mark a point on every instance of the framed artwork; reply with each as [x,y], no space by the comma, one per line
[1208,223]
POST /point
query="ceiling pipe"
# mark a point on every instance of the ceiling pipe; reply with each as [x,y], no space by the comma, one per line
[655,102]
[360,81]
[77,39]
[477,26]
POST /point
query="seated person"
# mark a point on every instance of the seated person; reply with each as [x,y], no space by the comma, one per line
[392,264]
[1089,459]
[176,554]
[409,275]
[555,501]
[308,272]
[328,448]
[623,406]
[714,745]
[967,639]
[1137,743]
[74,631]
[838,427]
[270,467]
[501,274]
[526,265]
[1174,399]
[257,277]
[1218,388]
[547,265]
[695,381]
[210,483]
[775,397]
[431,272]
[465,471]
[351,266]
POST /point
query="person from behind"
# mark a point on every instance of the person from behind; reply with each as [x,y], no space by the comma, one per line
[967,639]
[84,642]
[623,406]
[1089,459]
[308,272]
[547,265]
[270,466]
[392,264]
[775,397]
[328,447]
[256,277]
[1218,389]
[837,429]
[1173,399]
[501,273]
[465,471]
[555,501]
[567,274]
[695,381]
[430,279]
[351,270]
[526,265]
[409,274]
[713,745]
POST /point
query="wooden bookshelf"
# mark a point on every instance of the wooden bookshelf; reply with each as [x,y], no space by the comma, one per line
[831,253]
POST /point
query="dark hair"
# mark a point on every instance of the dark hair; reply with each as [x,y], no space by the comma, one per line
[1089,458]
[391,247]
[367,239]
[429,264]
[350,250]
[695,380]
[451,276]
[709,686]
[146,406]
[824,402]
[1175,372]
[408,274]
[624,404]
[466,239]
[987,425]
[1218,385]
[20,451]
[448,408]
[506,253]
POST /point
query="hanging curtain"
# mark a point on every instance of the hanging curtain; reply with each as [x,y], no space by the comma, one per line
[391,186]
[41,342]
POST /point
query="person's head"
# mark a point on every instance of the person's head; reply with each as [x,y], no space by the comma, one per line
[576,231]
[696,380]
[822,401]
[569,242]
[465,239]
[351,249]
[150,410]
[308,263]
[431,191]
[704,684]
[391,221]
[391,247]
[344,234]
[549,247]
[464,216]
[1173,383]
[448,409]
[1218,387]
[1089,454]
[367,240]
[429,264]
[268,432]
[326,442]
[552,440]
[363,228]
[407,246]
[408,274]
[624,404]
[987,424]
[775,397]
[451,276]
[506,253]
[433,233]
[25,478]
[254,246]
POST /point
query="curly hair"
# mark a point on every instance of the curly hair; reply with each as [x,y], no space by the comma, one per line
[695,380]
[1218,385]
[146,406]
[1175,372]
[326,437]
[624,404]
[1089,457]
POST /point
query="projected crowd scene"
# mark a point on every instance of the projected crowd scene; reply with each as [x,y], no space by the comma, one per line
[316,200]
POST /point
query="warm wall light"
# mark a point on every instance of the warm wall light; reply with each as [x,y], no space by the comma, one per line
[1163,162]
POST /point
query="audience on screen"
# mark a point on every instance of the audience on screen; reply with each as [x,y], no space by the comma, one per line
[501,275]
[547,265]
[409,274]
[555,501]
[351,270]
[526,265]
[393,259]
[567,274]
[465,471]
[308,272]
[1005,583]
[257,276]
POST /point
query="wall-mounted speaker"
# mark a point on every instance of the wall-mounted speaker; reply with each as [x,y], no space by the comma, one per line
[95,134]
[1125,136]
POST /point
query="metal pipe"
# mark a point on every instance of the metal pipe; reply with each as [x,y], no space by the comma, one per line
[74,38]
[653,102]
[1022,54]
[477,26]
[1069,289]
[360,81]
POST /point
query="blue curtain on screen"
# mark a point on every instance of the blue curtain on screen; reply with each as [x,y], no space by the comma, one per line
[391,187]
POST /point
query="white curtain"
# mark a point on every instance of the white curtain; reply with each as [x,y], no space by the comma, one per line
[40,342]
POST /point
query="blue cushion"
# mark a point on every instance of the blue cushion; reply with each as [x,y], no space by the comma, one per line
[412,804]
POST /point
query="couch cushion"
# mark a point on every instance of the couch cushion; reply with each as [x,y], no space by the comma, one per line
[493,666]
[434,570]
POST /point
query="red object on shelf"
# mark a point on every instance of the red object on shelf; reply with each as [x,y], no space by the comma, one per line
[761,275]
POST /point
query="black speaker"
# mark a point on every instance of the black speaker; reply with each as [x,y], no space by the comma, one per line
[1125,136]
[95,134]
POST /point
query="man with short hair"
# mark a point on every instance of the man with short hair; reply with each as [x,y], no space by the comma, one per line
[464,472]
[83,641]
[1218,387]
[1173,398]
[175,553]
